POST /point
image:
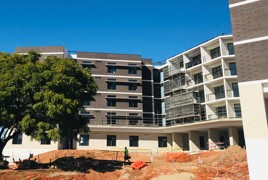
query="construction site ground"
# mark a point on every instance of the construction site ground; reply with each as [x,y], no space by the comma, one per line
[101,165]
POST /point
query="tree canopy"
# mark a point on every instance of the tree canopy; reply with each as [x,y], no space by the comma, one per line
[42,98]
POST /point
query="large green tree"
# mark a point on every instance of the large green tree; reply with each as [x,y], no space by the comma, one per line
[42,98]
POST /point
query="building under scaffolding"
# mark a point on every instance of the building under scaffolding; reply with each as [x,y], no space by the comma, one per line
[182,105]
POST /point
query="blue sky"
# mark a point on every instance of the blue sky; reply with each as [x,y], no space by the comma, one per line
[156,29]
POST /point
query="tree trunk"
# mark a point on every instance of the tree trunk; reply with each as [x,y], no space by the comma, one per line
[2,146]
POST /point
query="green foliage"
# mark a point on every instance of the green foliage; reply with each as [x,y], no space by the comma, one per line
[42,99]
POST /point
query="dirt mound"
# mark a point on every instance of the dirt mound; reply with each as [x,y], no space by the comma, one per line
[92,164]
[56,154]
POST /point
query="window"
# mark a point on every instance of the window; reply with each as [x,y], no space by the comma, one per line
[86,64]
[202,142]
[111,69]
[181,63]
[237,109]
[235,89]
[111,118]
[111,85]
[133,118]
[17,140]
[195,61]
[133,141]
[84,140]
[162,141]
[217,72]
[219,92]
[132,70]
[133,103]
[111,102]
[198,78]
[214,53]
[132,85]
[221,112]
[230,47]
[45,141]
[233,68]
[111,140]
[86,103]
[199,96]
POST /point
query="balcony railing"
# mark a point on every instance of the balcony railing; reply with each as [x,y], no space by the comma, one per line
[230,72]
[210,76]
[122,122]
[193,63]
[232,93]
[220,115]
[215,96]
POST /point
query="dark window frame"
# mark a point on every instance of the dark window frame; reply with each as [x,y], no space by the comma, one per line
[132,86]
[235,89]
[133,118]
[111,102]
[111,85]
[230,47]
[45,141]
[162,141]
[111,118]
[221,112]
[233,69]
[216,52]
[111,140]
[133,103]
[217,72]
[17,139]
[237,110]
[219,92]
[111,69]
[132,70]
[198,78]
[85,139]
[133,141]
[86,103]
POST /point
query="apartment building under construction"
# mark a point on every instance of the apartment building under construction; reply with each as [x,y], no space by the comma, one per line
[190,102]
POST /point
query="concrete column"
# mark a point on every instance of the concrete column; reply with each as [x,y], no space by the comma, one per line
[254,113]
[194,143]
[177,141]
[233,136]
[213,138]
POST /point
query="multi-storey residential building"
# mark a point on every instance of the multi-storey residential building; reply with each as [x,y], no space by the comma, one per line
[200,86]
[250,28]
[125,89]
[191,102]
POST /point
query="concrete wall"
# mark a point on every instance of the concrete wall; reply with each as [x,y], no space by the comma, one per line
[27,147]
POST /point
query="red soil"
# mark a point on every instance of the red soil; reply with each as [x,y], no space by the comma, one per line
[211,165]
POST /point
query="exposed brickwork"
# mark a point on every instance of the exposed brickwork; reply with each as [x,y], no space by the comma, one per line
[108,56]
[250,20]
[144,72]
[252,61]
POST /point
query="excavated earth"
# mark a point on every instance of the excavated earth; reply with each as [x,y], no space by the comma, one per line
[101,165]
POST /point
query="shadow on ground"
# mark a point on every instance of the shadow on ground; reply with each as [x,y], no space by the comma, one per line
[83,164]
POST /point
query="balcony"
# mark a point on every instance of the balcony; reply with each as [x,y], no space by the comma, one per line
[121,121]
[212,76]
[232,93]
[193,63]
[215,96]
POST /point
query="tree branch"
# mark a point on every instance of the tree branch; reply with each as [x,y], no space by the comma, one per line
[11,129]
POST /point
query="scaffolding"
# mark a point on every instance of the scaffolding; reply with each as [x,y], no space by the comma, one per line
[181,105]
